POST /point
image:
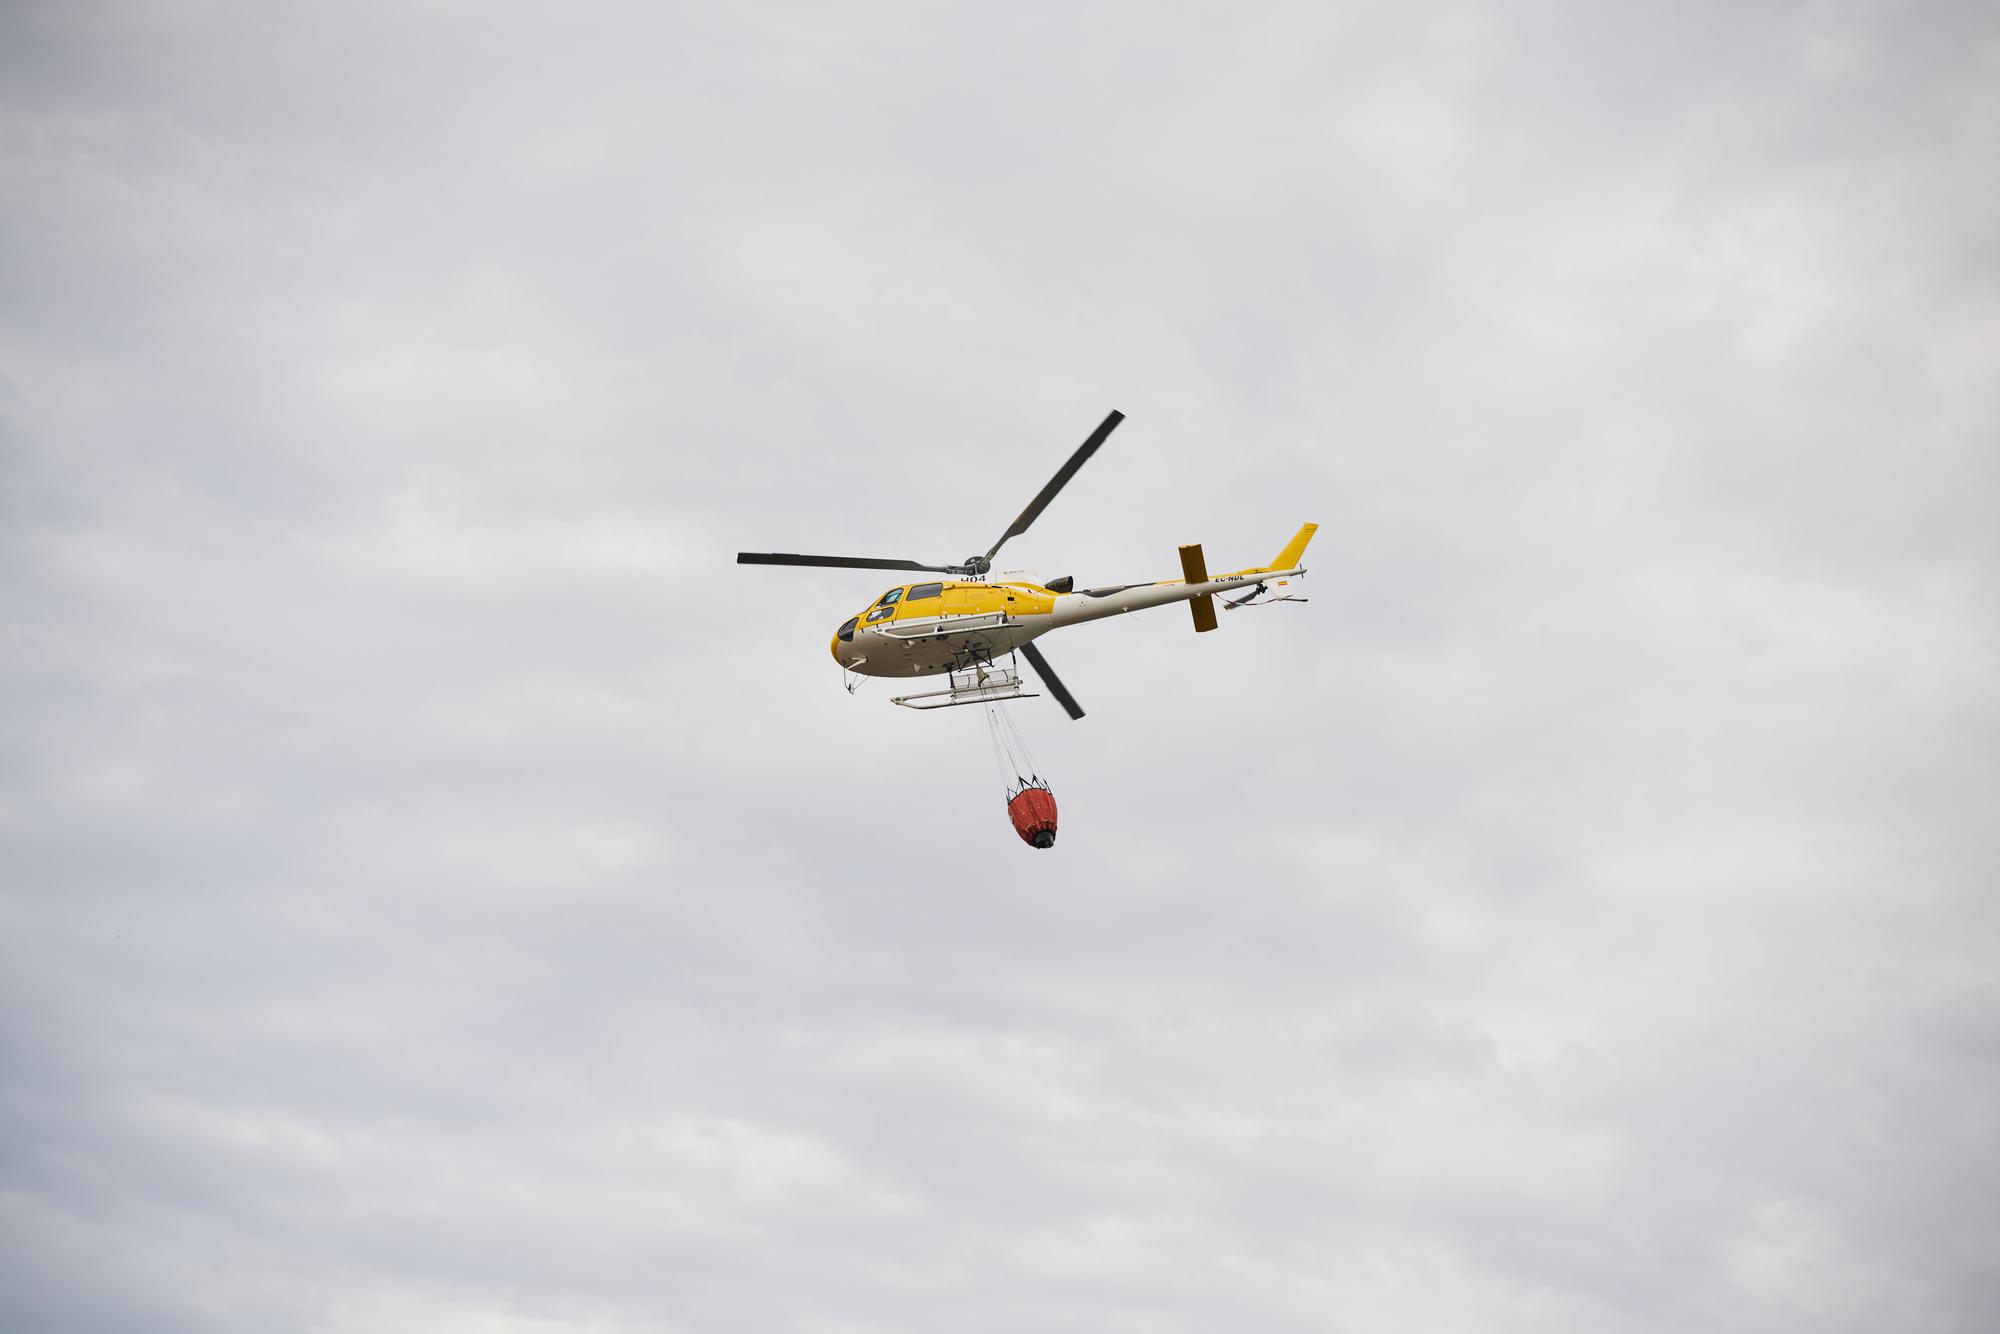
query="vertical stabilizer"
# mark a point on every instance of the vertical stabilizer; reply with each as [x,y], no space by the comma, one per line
[1295,550]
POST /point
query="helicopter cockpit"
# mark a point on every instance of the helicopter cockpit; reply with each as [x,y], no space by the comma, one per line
[885,607]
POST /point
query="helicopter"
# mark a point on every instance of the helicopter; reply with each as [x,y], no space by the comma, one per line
[965,625]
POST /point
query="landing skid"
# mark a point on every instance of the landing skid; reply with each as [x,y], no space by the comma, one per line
[980,683]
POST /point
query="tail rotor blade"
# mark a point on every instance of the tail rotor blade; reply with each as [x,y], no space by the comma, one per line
[1051,680]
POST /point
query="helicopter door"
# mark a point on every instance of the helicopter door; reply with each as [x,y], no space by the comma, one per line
[921,607]
[962,601]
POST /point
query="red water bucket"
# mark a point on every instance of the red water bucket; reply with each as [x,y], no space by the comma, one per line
[1033,811]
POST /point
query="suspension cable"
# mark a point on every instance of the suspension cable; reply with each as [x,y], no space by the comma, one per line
[993,735]
[1010,750]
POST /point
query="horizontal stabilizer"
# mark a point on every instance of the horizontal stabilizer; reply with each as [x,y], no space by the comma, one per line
[1195,570]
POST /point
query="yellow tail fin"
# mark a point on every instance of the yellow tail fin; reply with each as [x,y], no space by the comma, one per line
[1295,549]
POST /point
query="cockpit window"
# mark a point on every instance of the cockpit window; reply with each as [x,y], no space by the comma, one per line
[846,631]
[880,614]
[890,598]
[925,591]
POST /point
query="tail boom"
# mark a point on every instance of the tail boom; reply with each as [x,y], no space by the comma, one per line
[1197,587]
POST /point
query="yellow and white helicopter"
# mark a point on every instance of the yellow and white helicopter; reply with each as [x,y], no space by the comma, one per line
[965,626]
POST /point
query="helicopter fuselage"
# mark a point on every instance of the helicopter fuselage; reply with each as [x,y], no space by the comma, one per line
[926,628]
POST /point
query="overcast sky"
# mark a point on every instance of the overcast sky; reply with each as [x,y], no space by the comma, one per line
[443,892]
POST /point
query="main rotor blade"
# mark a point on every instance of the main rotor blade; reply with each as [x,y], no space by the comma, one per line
[1051,680]
[838,562]
[1060,480]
